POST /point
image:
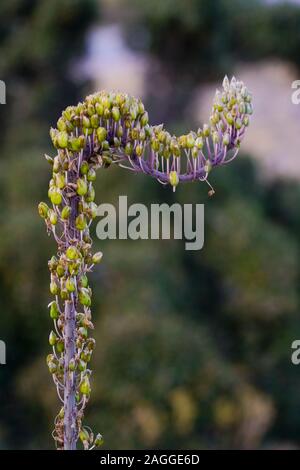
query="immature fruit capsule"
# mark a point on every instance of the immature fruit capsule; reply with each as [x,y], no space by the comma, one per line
[62,139]
[99,441]
[84,297]
[72,253]
[80,222]
[43,209]
[52,338]
[60,346]
[72,365]
[65,213]
[70,285]
[97,257]
[173,178]
[85,387]
[84,435]
[54,312]
[84,168]
[55,196]
[52,217]
[81,187]
[101,134]
[54,289]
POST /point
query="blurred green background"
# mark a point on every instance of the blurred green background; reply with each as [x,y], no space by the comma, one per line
[193,348]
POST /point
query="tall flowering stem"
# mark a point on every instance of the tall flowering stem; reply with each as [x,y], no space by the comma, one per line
[112,129]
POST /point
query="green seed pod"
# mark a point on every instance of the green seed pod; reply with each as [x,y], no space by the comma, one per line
[115,112]
[226,139]
[60,270]
[190,141]
[86,122]
[173,178]
[52,217]
[52,263]
[83,332]
[84,280]
[97,257]
[74,268]
[80,222]
[60,346]
[81,187]
[91,176]
[52,338]
[229,118]
[128,149]
[238,123]
[99,441]
[90,194]
[93,210]
[206,130]
[195,152]
[101,134]
[99,109]
[199,143]
[91,344]
[84,297]
[72,365]
[95,121]
[64,294]
[61,413]
[55,196]
[62,139]
[139,150]
[246,121]
[56,164]
[52,367]
[84,435]
[72,253]
[54,289]
[85,387]
[43,210]
[76,143]
[70,285]
[84,167]
[81,365]
[61,124]
[86,355]
[144,119]
[54,311]
[60,180]
[65,213]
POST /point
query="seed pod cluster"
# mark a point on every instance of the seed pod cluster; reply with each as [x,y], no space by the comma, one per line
[105,129]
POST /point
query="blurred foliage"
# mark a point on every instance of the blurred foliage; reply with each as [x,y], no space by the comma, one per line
[200,38]
[193,348]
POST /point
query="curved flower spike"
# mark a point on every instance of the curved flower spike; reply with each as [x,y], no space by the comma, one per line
[111,128]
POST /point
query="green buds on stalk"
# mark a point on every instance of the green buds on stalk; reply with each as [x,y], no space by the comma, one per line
[84,297]
[72,253]
[54,311]
[85,387]
[43,210]
[173,178]
[99,441]
[101,134]
[81,187]
[97,257]
[52,338]
[65,213]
